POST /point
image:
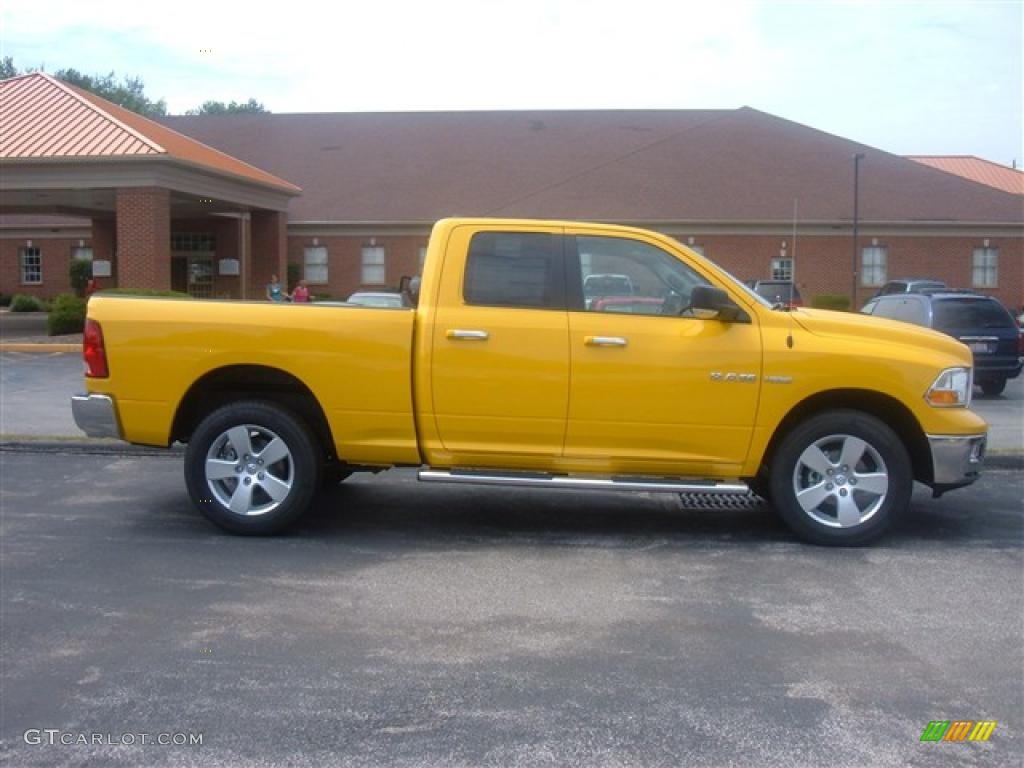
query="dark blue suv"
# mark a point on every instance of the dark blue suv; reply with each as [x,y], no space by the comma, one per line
[980,322]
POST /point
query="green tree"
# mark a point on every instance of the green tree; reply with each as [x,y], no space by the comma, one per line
[7,68]
[130,93]
[235,107]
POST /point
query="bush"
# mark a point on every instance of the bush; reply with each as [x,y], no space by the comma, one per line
[67,315]
[5,299]
[837,301]
[22,303]
[80,273]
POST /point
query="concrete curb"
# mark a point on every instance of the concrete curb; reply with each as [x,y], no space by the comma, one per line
[86,445]
[31,348]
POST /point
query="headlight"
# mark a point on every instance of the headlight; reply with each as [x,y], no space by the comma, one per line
[951,388]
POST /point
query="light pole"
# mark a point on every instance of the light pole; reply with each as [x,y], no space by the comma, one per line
[856,218]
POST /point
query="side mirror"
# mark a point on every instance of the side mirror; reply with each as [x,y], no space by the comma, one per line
[709,303]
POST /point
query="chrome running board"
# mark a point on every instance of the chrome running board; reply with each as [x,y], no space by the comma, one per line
[542,480]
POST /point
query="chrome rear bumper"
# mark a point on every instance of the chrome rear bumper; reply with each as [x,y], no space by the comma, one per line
[96,415]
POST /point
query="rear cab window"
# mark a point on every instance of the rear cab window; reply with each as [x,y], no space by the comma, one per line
[515,269]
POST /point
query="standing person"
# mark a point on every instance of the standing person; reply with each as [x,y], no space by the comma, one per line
[274,290]
[301,293]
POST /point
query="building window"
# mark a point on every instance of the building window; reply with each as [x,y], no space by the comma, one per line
[81,253]
[782,269]
[193,242]
[373,265]
[423,258]
[314,264]
[872,265]
[985,268]
[31,266]
[698,249]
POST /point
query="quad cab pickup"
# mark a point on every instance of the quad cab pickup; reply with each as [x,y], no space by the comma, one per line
[505,371]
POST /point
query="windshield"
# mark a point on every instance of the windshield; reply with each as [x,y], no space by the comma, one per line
[747,289]
[775,292]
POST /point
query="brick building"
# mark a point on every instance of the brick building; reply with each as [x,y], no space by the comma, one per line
[763,196]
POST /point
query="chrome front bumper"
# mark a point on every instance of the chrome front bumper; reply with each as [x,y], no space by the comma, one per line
[956,459]
[95,415]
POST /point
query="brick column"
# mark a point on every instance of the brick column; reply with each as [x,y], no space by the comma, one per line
[144,237]
[268,251]
[103,248]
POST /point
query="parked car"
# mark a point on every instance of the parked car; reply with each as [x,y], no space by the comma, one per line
[377,299]
[979,321]
[782,292]
[629,305]
[910,285]
[600,286]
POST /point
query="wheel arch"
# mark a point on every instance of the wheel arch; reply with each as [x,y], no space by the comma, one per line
[251,382]
[887,409]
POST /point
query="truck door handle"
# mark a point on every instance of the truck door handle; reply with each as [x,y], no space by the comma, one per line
[605,341]
[459,334]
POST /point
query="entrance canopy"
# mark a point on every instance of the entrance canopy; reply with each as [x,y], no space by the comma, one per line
[68,152]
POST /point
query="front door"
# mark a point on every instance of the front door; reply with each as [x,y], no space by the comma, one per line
[653,389]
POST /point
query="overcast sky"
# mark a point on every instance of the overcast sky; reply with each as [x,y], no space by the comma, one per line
[908,77]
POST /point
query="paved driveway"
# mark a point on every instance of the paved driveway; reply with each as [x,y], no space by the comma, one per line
[410,625]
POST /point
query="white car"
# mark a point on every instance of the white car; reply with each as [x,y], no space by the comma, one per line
[377,299]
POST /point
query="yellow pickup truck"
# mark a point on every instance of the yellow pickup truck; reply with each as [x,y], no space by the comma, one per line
[671,377]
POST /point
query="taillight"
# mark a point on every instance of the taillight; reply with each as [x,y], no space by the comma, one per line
[93,353]
[1020,342]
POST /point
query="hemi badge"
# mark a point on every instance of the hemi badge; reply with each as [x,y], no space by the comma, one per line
[778,379]
[742,378]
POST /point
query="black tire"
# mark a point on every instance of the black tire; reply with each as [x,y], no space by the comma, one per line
[271,488]
[992,387]
[334,473]
[857,503]
[761,486]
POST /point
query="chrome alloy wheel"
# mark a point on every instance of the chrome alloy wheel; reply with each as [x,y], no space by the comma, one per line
[249,469]
[840,481]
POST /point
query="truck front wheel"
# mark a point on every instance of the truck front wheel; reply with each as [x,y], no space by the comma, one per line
[252,467]
[841,478]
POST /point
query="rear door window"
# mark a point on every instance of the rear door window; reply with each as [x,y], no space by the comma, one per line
[971,313]
[515,269]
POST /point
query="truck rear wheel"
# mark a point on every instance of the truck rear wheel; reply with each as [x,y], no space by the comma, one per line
[252,467]
[841,478]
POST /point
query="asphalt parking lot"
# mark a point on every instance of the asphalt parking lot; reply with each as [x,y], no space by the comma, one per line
[415,625]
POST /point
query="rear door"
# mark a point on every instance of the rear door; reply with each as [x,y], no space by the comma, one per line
[500,357]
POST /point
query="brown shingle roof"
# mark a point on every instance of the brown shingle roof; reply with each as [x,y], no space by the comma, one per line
[43,118]
[976,169]
[686,165]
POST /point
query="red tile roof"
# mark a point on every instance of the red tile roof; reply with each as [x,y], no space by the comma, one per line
[645,166]
[44,118]
[976,169]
